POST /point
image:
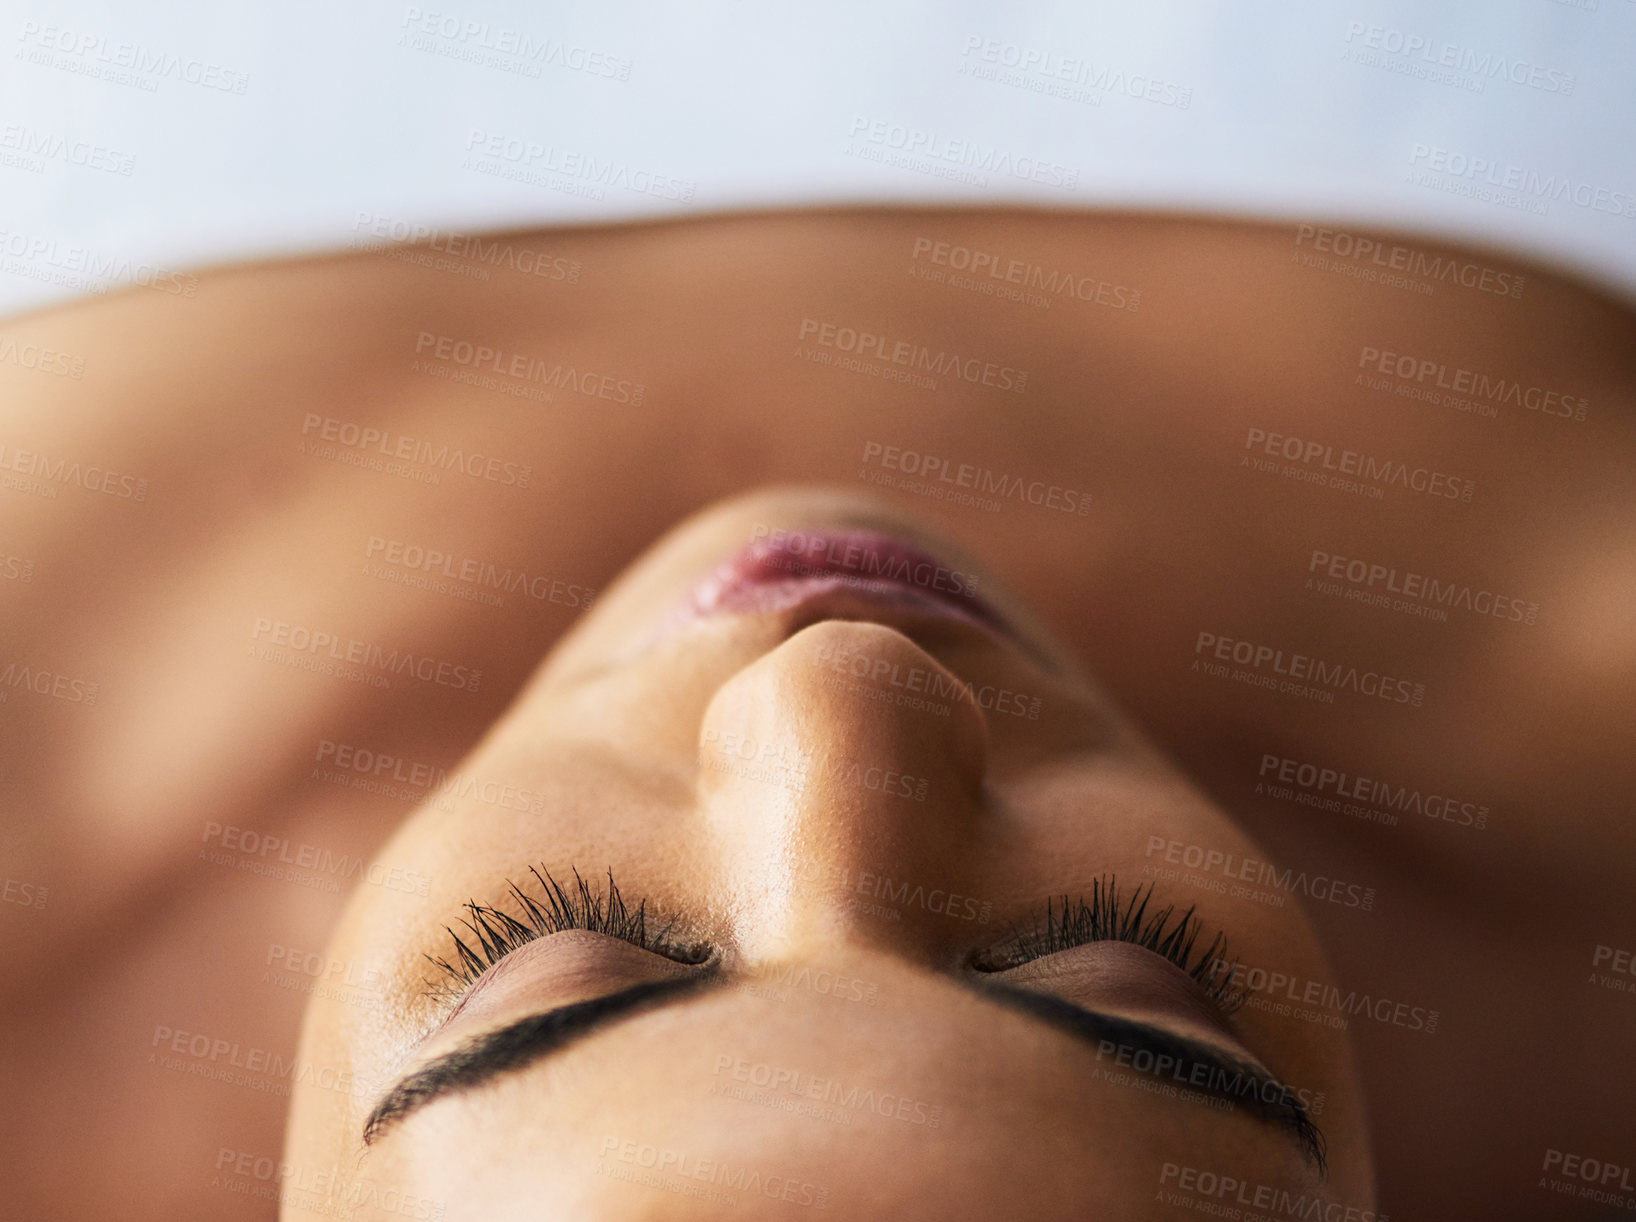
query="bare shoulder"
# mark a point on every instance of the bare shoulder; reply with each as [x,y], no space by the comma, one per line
[276,553]
[215,587]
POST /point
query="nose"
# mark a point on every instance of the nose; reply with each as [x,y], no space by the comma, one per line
[841,780]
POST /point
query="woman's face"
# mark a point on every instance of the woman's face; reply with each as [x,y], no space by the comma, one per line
[844,778]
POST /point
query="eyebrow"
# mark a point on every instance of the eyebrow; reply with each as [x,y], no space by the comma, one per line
[519,1044]
[1178,1057]
[1193,1065]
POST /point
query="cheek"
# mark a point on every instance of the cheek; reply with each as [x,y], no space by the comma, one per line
[1116,810]
[624,611]
[641,718]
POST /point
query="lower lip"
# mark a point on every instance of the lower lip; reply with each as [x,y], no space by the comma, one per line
[868,566]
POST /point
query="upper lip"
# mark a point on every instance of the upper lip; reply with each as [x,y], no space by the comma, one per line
[912,611]
[808,601]
[793,590]
[876,566]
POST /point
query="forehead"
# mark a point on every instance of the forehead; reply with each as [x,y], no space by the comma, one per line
[926,1095]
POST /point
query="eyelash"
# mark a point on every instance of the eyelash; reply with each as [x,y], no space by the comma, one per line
[497,933]
[1100,918]
[1078,922]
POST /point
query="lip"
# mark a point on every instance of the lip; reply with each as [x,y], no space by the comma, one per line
[807,575]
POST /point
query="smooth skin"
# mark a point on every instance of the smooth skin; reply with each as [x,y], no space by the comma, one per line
[250,516]
[661,763]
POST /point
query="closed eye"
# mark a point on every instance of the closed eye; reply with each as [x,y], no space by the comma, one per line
[1104,917]
[488,933]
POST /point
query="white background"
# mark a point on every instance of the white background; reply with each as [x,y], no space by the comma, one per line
[756,108]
